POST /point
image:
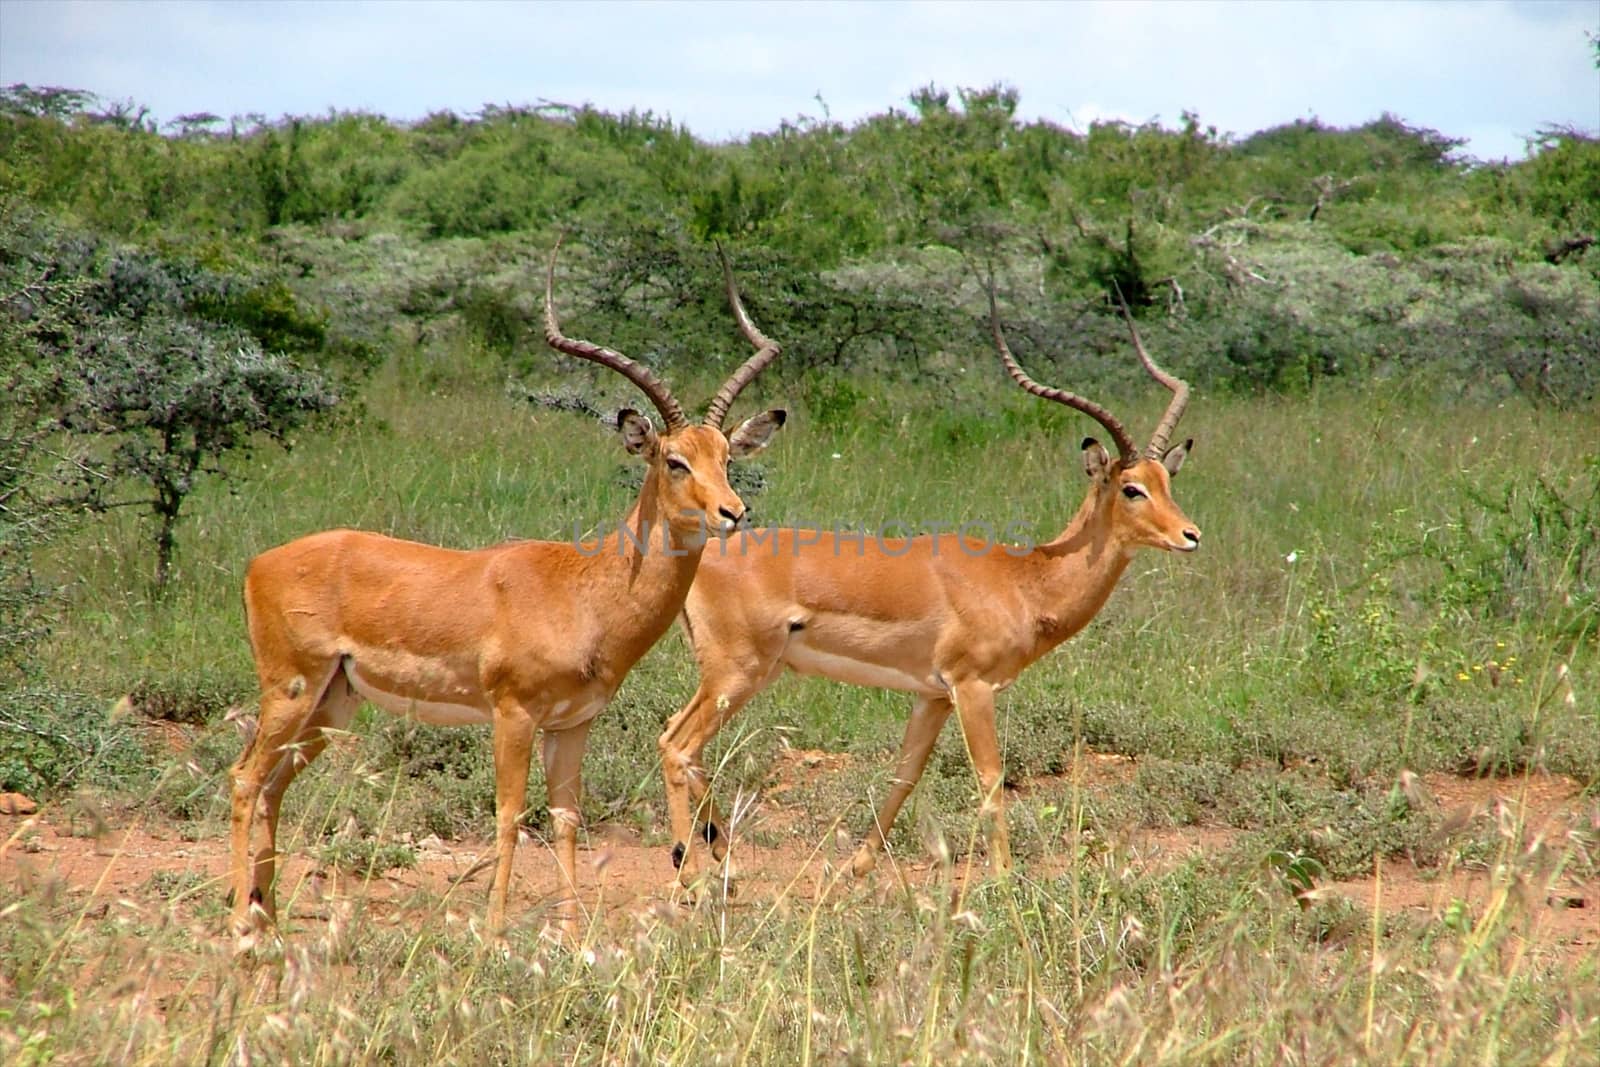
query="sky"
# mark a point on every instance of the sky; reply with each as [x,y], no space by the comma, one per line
[1490,71]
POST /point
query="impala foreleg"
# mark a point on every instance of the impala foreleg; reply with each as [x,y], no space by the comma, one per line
[928,715]
[563,776]
[513,752]
[975,708]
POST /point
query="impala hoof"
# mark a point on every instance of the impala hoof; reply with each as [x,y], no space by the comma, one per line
[712,836]
[709,890]
[864,862]
[257,945]
[716,839]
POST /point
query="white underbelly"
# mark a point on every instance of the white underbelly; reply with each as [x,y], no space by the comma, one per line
[435,712]
[442,711]
[569,713]
[807,660]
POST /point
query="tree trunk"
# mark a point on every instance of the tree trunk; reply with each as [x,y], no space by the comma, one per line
[164,547]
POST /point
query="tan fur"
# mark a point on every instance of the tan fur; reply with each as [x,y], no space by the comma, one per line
[950,626]
[528,636]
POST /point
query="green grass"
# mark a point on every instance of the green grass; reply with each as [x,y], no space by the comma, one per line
[1309,626]
[1278,696]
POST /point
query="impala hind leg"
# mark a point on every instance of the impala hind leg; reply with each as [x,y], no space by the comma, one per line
[288,736]
[337,708]
[928,715]
[682,744]
[563,777]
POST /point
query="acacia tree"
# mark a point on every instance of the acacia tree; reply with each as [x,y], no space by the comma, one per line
[48,737]
[176,399]
[49,101]
[134,371]
[36,308]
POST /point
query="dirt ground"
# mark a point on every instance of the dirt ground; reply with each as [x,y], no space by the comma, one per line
[623,877]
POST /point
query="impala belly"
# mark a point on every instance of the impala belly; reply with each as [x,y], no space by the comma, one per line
[444,702]
[569,713]
[841,667]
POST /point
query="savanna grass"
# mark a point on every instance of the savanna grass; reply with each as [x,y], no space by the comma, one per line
[1309,628]
[1279,682]
[1112,961]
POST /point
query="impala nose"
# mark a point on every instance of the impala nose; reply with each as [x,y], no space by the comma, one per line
[730,519]
[1191,539]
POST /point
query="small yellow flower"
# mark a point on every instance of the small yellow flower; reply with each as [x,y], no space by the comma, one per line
[1463,676]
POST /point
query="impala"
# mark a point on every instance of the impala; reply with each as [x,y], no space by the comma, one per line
[948,620]
[525,636]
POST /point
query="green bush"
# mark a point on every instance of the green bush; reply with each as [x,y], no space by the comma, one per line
[1563,179]
[1526,550]
[52,741]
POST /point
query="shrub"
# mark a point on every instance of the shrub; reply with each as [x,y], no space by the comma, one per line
[52,741]
[1526,550]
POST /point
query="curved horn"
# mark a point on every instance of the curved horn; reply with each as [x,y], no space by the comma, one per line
[1124,442]
[646,379]
[766,351]
[1180,389]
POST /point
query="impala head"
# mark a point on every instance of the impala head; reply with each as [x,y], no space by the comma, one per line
[1138,496]
[689,466]
[1134,490]
[688,462]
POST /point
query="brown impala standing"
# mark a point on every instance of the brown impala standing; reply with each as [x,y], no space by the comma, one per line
[950,620]
[527,636]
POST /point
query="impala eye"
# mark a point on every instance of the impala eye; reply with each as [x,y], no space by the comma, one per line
[676,465]
[1133,492]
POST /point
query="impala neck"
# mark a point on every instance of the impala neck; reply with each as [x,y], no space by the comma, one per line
[1078,570]
[653,553]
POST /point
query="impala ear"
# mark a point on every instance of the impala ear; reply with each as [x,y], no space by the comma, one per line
[1096,460]
[638,435]
[754,433]
[1175,457]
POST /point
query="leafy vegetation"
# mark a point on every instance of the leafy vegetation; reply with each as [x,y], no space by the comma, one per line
[1398,473]
[1295,252]
[153,373]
